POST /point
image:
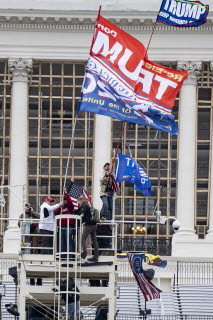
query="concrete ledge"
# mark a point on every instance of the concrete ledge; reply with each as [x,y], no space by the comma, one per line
[187,246]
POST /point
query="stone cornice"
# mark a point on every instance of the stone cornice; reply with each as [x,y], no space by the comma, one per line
[85,20]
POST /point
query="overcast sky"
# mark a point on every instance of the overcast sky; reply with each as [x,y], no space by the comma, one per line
[114,5]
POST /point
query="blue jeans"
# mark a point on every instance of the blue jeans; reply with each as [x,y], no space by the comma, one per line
[107,207]
[71,309]
[64,239]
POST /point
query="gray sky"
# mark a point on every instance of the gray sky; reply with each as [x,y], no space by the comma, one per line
[112,5]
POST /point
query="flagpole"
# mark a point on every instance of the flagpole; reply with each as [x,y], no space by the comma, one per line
[99,11]
[70,151]
[153,29]
[94,34]
[118,145]
[145,310]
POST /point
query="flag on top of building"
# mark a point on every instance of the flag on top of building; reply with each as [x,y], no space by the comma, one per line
[180,13]
[121,83]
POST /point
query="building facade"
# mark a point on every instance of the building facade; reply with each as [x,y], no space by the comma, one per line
[44,49]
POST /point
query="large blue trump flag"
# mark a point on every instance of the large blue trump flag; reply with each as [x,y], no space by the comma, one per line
[183,13]
[129,170]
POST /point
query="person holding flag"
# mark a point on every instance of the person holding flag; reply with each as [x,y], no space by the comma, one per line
[66,225]
[108,187]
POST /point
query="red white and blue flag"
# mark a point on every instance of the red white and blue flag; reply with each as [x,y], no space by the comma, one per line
[121,83]
[75,191]
[179,13]
[149,290]
[129,170]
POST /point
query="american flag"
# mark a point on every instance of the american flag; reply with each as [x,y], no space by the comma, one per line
[114,183]
[75,191]
[148,289]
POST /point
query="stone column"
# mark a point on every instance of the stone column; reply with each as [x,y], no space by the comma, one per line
[186,160]
[20,69]
[102,153]
[210,231]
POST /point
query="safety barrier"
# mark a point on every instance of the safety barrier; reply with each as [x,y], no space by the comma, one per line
[195,272]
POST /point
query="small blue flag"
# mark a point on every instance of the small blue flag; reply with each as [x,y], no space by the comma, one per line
[129,170]
[179,13]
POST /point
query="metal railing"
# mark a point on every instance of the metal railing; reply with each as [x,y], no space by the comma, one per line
[155,317]
[197,273]
[163,317]
[153,246]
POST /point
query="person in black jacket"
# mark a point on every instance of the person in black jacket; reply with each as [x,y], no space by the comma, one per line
[12,309]
[71,296]
[89,229]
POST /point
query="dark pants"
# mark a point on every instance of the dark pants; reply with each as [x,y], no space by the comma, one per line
[107,207]
[46,242]
[90,230]
[101,314]
[103,243]
[95,283]
[64,240]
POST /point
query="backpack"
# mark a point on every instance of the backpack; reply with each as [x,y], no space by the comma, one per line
[95,217]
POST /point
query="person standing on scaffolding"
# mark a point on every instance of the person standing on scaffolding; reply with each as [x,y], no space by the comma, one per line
[69,292]
[46,229]
[67,208]
[108,187]
[30,228]
[89,229]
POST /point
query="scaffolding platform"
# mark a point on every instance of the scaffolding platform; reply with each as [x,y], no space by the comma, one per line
[40,266]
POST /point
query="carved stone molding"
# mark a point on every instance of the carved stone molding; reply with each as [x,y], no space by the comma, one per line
[194,69]
[20,68]
[73,25]
[211,68]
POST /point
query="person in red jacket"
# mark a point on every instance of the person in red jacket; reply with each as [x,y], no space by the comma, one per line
[67,208]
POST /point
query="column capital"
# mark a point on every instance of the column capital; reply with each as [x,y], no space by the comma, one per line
[20,68]
[211,69]
[194,69]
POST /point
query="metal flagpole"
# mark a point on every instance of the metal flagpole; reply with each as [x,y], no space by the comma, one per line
[153,30]
[70,151]
[115,155]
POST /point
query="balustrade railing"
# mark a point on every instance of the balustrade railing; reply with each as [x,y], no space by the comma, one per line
[196,273]
[153,246]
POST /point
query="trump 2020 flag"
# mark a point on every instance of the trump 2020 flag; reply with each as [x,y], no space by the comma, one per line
[183,13]
[149,290]
[129,170]
[156,89]
[121,83]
